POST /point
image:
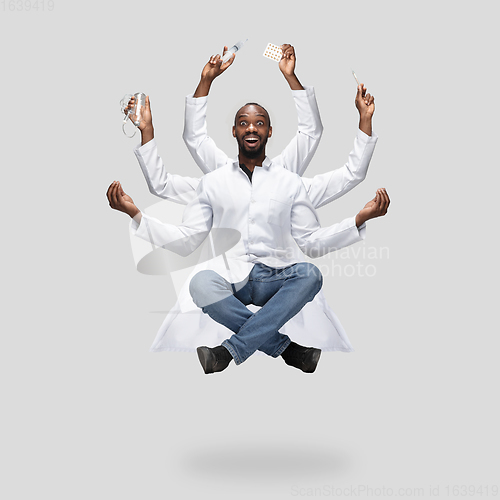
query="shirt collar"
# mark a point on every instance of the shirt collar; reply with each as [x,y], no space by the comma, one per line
[266,163]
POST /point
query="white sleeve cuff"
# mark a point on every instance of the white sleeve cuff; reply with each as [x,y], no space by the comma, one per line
[135,222]
[146,147]
[196,100]
[365,137]
[308,91]
[361,229]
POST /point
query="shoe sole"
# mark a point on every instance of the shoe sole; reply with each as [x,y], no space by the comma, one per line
[204,356]
[312,362]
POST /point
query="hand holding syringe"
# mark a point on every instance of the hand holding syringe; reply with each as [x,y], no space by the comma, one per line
[365,103]
[361,87]
[212,69]
[228,54]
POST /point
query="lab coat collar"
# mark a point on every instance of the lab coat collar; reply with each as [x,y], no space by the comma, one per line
[265,164]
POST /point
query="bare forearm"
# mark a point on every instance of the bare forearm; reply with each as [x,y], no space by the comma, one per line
[203,87]
[360,220]
[365,125]
[293,81]
[148,134]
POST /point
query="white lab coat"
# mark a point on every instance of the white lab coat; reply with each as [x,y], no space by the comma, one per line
[185,326]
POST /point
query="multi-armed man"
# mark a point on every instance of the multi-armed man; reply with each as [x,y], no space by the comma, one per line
[275,215]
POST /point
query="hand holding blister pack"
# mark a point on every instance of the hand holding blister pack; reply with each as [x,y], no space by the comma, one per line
[273,52]
[136,111]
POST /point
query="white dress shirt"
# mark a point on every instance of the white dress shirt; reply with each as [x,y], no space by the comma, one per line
[321,189]
[273,214]
[316,324]
[295,157]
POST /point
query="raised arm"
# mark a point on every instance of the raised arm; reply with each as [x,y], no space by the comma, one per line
[299,152]
[324,188]
[177,188]
[316,241]
[202,148]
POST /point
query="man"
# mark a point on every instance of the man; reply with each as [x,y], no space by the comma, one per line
[285,283]
[322,327]
[298,153]
[323,188]
[295,157]
[266,205]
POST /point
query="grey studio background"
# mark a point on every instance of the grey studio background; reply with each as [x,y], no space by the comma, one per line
[89,412]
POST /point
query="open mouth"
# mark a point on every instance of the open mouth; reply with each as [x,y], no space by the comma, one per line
[251,141]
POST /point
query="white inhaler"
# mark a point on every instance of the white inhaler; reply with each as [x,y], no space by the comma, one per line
[137,110]
[233,50]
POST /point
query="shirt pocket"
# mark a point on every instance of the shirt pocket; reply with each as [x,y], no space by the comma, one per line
[279,211]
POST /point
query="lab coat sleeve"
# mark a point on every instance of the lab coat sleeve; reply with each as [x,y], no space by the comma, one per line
[203,149]
[177,188]
[299,152]
[185,238]
[324,188]
[314,240]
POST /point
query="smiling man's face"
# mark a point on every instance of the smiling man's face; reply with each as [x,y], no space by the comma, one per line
[252,130]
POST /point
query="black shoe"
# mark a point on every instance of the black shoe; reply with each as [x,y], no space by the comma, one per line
[214,359]
[303,358]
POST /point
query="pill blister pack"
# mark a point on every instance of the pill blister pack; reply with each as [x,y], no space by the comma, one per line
[273,52]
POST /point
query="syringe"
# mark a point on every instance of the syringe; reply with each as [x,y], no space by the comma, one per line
[233,50]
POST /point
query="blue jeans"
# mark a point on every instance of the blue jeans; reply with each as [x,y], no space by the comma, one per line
[281,293]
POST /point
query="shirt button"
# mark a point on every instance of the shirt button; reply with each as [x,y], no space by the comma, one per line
[252,201]
[252,221]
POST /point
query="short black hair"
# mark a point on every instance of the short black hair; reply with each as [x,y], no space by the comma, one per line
[253,104]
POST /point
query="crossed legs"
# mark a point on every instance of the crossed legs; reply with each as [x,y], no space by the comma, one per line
[281,293]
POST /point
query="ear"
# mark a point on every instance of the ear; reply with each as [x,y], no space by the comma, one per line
[270,132]
[234,132]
